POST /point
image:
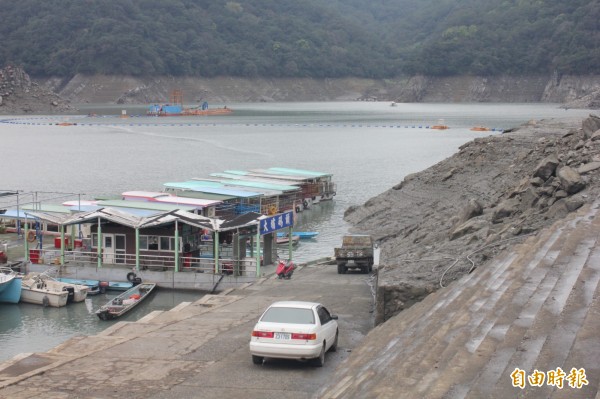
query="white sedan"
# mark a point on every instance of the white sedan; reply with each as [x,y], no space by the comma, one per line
[294,330]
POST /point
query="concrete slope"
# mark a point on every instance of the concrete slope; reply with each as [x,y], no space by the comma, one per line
[534,310]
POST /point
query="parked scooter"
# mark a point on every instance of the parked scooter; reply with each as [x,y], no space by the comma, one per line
[285,269]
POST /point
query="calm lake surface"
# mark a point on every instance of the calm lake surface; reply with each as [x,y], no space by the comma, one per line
[368,146]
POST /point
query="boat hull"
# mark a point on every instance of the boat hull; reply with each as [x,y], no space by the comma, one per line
[119,286]
[125,302]
[44,297]
[92,285]
[11,291]
[36,290]
[301,234]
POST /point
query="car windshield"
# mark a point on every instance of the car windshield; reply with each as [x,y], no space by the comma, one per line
[289,315]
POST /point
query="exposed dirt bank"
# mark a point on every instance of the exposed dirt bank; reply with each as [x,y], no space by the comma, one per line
[116,89]
[19,94]
[439,224]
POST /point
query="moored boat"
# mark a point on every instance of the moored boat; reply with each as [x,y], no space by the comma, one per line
[93,285]
[115,285]
[39,291]
[285,240]
[75,292]
[302,234]
[125,302]
[10,285]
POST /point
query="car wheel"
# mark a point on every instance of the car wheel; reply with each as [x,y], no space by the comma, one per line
[320,361]
[257,359]
[333,348]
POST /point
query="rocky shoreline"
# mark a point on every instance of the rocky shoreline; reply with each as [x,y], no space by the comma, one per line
[439,224]
[20,95]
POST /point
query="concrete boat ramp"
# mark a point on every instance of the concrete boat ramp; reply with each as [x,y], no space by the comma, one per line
[533,312]
[196,350]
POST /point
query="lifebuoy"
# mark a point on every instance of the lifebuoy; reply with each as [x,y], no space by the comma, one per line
[131,277]
[31,236]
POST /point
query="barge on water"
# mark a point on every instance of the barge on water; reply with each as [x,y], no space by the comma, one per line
[176,108]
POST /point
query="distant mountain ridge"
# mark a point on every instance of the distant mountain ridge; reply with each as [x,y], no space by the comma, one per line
[315,39]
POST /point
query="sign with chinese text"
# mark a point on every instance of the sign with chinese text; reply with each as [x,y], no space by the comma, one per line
[274,223]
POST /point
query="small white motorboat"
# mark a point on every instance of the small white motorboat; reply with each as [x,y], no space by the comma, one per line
[77,292]
[39,291]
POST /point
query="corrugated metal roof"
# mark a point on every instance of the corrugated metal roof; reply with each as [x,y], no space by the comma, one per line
[47,208]
[202,195]
[233,185]
[133,221]
[113,215]
[195,186]
[147,205]
[301,172]
[130,211]
[272,179]
[247,219]
[257,184]
[188,218]
[167,198]
[279,175]
[13,214]
[150,195]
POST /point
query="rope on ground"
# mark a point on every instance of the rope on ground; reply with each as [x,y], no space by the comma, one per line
[468,257]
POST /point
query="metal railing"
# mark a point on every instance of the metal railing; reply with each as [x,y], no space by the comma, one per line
[204,264]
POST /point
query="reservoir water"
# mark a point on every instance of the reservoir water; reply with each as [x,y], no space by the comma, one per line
[367,146]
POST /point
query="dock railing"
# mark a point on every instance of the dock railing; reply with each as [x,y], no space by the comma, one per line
[203,264]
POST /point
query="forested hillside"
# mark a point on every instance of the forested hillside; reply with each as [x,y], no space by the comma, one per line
[301,38]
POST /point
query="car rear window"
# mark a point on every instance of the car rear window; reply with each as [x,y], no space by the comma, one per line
[289,315]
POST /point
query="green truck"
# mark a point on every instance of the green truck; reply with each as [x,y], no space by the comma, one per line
[356,252]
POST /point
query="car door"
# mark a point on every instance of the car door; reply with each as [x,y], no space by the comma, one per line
[328,326]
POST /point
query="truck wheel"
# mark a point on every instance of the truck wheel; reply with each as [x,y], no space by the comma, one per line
[342,268]
[364,269]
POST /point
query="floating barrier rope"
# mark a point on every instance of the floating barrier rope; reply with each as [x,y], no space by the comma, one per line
[31,122]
